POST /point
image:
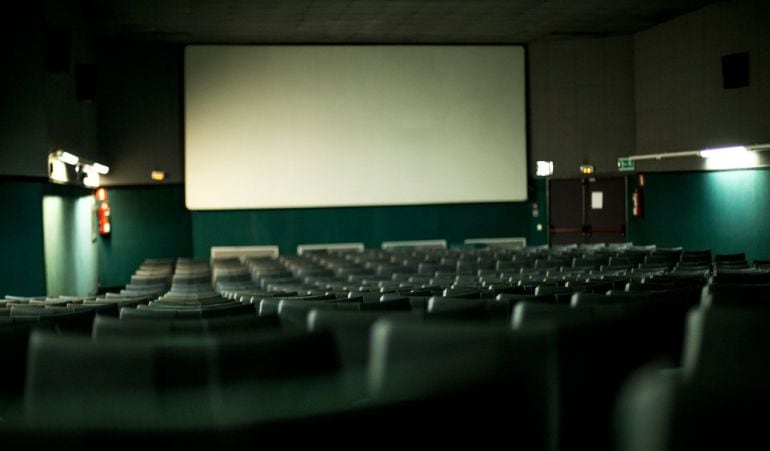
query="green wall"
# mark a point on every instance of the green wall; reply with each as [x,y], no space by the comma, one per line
[725,211]
[147,222]
[152,222]
[22,268]
[370,225]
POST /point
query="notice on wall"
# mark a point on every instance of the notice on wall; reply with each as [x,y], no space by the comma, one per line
[597,200]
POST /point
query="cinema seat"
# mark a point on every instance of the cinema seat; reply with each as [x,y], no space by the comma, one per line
[528,314]
[445,376]
[459,308]
[720,399]
[136,327]
[745,295]
[121,382]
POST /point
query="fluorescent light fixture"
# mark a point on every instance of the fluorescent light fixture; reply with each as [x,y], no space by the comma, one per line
[544,168]
[721,152]
[718,158]
[101,168]
[732,160]
[734,157]
[68,157]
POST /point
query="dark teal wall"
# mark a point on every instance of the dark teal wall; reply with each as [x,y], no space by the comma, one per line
[725,211]
[147,222]
[22,271]
[370,225]
[152,222]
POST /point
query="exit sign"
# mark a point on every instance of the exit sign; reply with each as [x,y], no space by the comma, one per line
[626,164]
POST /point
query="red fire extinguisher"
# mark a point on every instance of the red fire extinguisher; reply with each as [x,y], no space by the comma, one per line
[637,198]
[103,212]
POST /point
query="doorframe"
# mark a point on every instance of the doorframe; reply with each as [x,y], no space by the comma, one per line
[583,185]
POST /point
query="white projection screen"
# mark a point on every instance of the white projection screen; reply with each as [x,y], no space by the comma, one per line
[282,126]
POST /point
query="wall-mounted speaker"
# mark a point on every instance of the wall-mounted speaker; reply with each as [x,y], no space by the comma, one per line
[735,70]
[58,49]
[85,82]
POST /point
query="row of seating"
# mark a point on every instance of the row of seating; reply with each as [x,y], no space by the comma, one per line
[356,345]
[653,282]
[21,317]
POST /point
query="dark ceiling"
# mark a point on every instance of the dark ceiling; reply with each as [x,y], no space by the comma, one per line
[377,21]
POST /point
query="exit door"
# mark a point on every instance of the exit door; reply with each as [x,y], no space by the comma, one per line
[587,210]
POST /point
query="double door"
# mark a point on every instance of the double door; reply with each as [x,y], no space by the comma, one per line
[587,210]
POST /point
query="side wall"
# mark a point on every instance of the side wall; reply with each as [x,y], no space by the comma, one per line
[661,90]
[680,100]
[147,222]
[140,111]
[22,271]
[581,103]
[726,211]
[23,115]
[681,105]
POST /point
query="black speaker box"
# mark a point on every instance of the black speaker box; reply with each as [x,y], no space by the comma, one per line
[735,70]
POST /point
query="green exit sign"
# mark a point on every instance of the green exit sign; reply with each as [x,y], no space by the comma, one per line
[626,164]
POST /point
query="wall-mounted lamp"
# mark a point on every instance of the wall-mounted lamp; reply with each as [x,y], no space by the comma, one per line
[65,167]
[586,169]
[100,168]
[91,177]
[67,157]
[544,168]
[57,171]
